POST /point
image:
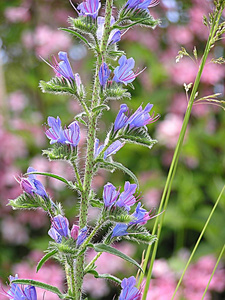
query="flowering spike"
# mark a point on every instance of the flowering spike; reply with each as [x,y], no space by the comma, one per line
[129,291]
[89,8]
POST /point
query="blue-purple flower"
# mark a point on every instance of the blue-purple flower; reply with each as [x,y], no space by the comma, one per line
[82,236]
[59,228]
[129,291]
[55,131]
[119,230]
[56,134]
[142,117]
[110,194]
[78,82]
[126,198]
[115,34]
[103,74]
[112,149]
[121,118]
[31,185]
[141,4]
[62,68]
[124,72]
[89,8]
[139,118]
[141,216]
[16,292]
[72,134]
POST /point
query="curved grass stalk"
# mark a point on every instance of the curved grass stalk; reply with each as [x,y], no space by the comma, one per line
[198,241]
[218,260]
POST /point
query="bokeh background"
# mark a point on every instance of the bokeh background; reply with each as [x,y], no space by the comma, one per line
[28,30]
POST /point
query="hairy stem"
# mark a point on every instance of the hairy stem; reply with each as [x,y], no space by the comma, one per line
[89,166]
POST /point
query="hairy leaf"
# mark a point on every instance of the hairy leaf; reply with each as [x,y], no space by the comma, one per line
[114,251]
[27,201]
[58,85]
[45,258]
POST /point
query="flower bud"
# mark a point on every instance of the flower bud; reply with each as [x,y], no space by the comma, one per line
[75,231]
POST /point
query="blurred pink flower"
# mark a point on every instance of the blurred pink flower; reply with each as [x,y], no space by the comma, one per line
[168,130]
[180,35]
[17,101]
[100,286]
[151,198]
[17,14]
[162,289]
[44,47]
[35,218]
[14,232]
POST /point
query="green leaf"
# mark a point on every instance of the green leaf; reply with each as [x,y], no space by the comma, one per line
[139,136]
[116,93]
[58,85]
[60,152]
[27,201]
[116,165]
[45,258]
[76,34]
[41,285]
[104,276]
[50,175]
[99,108]
[84,25]
[96,203]
[80,119]
[114,251]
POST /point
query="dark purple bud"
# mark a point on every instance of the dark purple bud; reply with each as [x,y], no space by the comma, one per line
[26,186]
[119,230]
[104,73]
[75,232]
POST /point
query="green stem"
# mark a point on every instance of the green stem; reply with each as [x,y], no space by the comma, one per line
[173,167]
[77,174]
[198,241]
[92,124]
[218,260]
[92,261]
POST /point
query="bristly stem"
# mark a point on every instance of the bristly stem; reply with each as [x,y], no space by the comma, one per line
[89,166]
[166,193]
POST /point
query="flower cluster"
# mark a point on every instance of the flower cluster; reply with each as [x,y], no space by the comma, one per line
[129,291]
[68,136]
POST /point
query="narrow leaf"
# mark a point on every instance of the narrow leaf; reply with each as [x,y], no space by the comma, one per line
[117,165]
[50,175]
[109,277]
[100,108]
[45,258]
[76,34]
[41,285]
[114,251]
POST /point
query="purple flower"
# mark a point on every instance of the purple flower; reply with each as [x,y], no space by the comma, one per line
[55,131]
[119,230]
[78,82]
[115,34]
[113,148]
[103,74]
[89,8]
[63,68]
[129,291]
[141,117]
[141,4]
[72,134]
[121,118]
[31,185]
[60,228]
[124,73]
[110,194]
[126,198]
[18,293]
[56,134]
[82,236]
[141,216]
